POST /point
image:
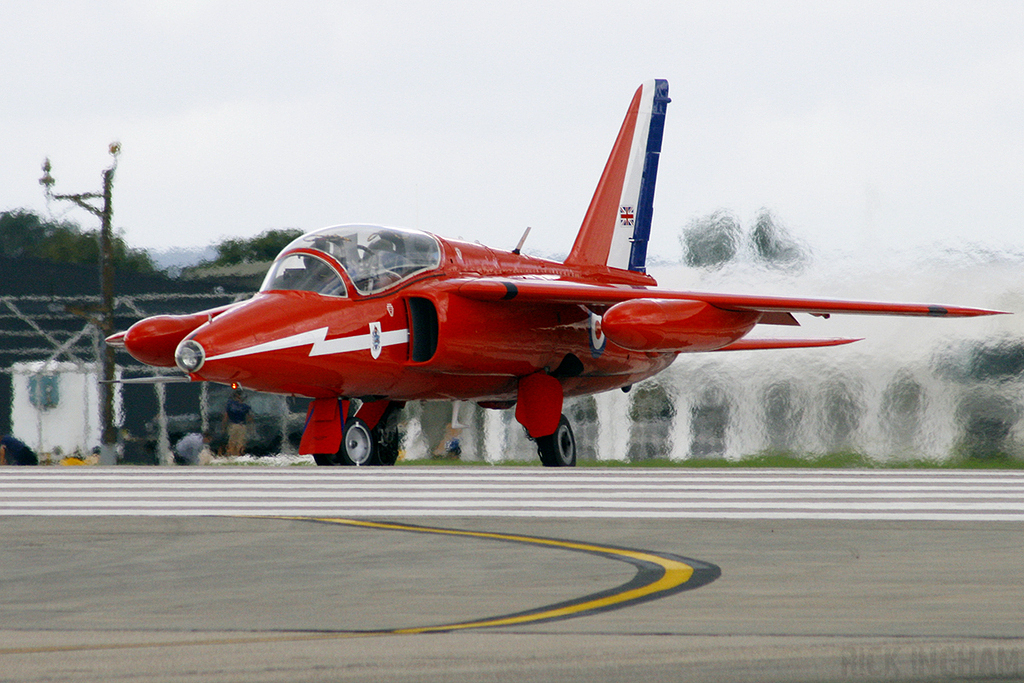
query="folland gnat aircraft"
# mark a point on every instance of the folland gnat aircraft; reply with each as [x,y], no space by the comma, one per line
[364,318]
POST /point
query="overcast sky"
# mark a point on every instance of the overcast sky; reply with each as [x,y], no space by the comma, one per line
[863,123]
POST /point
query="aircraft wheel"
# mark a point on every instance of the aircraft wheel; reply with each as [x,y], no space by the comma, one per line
[558,449]
[386,435]
[387,454]
[324,459]
[358,446]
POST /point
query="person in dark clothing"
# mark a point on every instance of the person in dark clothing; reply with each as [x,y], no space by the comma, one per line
[237,415]
[14,452]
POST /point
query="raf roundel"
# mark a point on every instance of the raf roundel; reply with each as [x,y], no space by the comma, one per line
[375,340]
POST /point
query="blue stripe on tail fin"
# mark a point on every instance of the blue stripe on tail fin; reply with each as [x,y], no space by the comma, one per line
[645,200]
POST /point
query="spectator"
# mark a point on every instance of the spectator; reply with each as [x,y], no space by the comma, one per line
[193,449]
[14,452]
[237,416]
[451,443]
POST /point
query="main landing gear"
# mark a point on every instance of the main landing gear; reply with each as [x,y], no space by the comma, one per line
[558,449]
[539,410]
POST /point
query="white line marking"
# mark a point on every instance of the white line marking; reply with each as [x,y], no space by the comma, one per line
[320,345]
[498,492]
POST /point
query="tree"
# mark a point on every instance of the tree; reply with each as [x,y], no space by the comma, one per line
[263,247]
[25,234]
[20,232]
[711,240]
[772,243]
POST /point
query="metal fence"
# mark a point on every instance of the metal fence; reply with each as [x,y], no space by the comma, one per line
[51,333]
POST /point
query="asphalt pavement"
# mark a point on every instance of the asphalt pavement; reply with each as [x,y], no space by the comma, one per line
[177,597]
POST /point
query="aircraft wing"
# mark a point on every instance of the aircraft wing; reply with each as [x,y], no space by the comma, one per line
[660,320]
[566,292]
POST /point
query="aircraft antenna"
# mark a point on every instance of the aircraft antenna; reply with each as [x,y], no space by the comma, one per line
[522,240]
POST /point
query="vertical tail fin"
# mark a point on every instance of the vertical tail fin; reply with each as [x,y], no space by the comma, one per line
[618,221]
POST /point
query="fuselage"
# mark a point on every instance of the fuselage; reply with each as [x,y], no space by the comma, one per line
[371,312]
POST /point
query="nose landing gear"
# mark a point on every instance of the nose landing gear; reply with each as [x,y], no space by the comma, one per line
[368,438]
[357,444]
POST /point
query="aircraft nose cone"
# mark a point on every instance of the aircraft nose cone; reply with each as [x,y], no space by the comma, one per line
[190,356]
[154,340]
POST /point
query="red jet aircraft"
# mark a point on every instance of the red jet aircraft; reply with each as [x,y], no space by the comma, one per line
[362,318]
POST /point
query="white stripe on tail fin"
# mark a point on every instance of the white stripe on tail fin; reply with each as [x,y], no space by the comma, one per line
[618,222]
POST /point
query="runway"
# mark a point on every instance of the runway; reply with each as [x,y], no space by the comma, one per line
[509,574]
[898,495]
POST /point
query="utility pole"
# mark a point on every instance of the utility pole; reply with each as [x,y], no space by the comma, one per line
[105,318]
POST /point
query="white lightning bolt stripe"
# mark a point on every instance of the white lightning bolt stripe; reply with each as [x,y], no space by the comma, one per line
[321,346]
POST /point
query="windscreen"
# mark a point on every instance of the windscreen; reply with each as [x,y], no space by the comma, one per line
[375,258]
[306,273]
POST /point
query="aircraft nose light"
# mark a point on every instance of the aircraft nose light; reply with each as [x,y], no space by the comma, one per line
[190,356]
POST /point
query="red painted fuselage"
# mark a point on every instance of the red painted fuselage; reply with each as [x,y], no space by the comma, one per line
[443,344]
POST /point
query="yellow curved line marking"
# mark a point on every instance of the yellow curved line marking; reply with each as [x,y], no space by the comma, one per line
[676,574]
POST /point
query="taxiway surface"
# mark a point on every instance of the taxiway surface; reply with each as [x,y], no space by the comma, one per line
[149,575]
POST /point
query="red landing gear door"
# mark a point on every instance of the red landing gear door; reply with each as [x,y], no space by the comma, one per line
[323,428]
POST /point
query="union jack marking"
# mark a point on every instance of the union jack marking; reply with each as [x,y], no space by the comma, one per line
[626,215]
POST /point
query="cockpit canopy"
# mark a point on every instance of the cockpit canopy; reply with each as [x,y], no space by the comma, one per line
[375,259]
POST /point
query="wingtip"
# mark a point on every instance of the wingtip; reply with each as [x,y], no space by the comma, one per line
[962,312]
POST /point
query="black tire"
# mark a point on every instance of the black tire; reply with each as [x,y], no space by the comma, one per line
[558,449]
[358,444]
[387,437]
[325,459]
